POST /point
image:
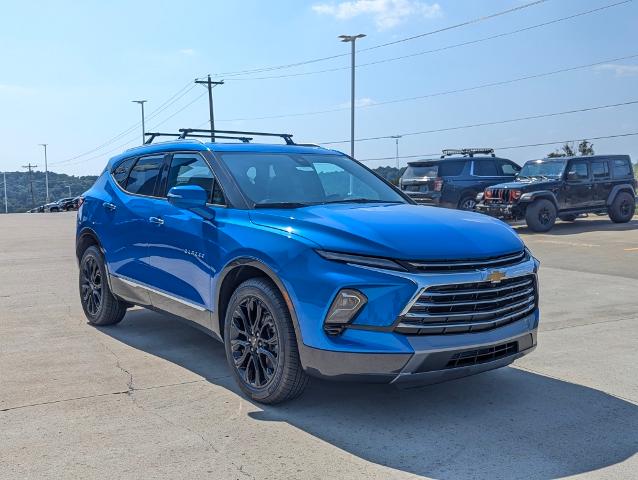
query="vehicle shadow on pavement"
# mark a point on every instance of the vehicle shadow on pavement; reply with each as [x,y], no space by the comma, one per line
[508,423]
[599,224]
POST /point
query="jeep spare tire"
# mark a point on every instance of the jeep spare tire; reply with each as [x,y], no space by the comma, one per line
[541,215]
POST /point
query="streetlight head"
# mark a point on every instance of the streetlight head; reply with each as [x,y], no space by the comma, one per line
[351,38]
[139,101]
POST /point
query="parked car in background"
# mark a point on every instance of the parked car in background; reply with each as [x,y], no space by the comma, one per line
[565,188]
[68,204]
[51,207]
[456,178]
[303,262]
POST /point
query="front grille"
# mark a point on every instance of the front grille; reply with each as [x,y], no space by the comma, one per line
[470,307]
[465,265]
[499,195]
[482,355]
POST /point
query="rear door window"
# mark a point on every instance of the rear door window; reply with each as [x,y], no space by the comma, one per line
[485,168]
[451,168]
[622,168]
[144,174]
[600,170]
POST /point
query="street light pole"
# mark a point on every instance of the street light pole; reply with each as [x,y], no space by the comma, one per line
[396,138]
[69,187]
[142,102]
[352,39]
[46,171]
[6,203]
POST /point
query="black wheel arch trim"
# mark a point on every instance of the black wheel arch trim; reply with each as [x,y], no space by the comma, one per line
[270,274]
[529,197]
[86,231]
[623,187]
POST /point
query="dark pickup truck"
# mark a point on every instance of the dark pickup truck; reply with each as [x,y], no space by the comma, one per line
[564,188]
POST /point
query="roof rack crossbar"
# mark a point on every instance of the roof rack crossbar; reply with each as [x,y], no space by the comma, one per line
[467,152]
[188,132]
[153,135]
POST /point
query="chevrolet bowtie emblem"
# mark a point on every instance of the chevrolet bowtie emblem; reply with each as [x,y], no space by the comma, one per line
[496,276]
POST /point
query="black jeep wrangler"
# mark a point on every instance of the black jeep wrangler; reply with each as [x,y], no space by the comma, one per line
[565,188]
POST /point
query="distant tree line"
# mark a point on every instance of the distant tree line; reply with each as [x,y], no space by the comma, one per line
[584,149]
[19,192]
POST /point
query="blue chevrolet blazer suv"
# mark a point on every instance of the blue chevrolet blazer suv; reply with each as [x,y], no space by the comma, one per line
[303,262]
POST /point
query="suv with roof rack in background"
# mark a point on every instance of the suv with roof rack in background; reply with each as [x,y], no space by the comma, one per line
[454,180]
[302,262]
[565,187]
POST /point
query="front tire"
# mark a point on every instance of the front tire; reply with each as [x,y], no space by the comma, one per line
[541,215]
[99,305]
[260,342]
[622,209]
[468,203]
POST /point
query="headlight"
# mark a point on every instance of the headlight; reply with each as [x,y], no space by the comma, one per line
[344,308]
[361,260]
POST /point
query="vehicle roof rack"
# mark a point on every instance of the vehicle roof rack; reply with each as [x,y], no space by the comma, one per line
[153,135]
[467,152]
[188,132]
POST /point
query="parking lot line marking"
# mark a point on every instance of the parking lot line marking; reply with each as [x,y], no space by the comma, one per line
[571,244]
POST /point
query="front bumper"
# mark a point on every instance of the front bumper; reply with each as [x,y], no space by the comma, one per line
[435,358]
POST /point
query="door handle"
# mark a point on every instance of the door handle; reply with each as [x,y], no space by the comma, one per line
[156,220]
[109,206]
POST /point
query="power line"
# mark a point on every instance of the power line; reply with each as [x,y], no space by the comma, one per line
[485,124]
[374,47]
[440,49]
[442,93]
[511,147]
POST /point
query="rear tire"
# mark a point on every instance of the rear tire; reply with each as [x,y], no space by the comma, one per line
[567,218]
[468,203]
[99,305]
[541,215]
[261,346]
[623,207]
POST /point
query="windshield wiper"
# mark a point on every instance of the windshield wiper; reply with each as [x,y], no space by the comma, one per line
[362,200]
[282,205]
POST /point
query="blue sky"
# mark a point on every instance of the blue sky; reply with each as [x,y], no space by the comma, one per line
[69,71]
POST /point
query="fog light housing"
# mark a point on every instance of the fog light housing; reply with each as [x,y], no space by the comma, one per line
[347,303]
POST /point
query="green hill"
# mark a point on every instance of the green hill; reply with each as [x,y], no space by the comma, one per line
[19,193]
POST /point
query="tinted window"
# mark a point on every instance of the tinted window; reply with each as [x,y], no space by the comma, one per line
[144,175]
[417,171]
[600,170]
[485,168]
[272,178]
[622,168]
[577,171]
[120,173]
[192,169]
[508,169]
[451,168]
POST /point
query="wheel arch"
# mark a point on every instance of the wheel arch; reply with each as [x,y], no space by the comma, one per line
[238,271]
[85,239]
[542,194]
[624,187]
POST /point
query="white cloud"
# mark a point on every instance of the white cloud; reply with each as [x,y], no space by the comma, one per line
[359,102]
[188,52]
[386,13]
[619,70]
[7,89]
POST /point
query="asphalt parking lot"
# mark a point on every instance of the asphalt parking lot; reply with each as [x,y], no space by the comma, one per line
[152,398]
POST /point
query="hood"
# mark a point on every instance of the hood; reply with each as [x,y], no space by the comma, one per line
[400,231]
[528,186]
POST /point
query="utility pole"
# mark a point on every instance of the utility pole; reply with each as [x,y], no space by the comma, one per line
[352,39]
[46,171]
[209,84]
[69,187]
[6,203]
[396,138]
[142,102]
[29,166]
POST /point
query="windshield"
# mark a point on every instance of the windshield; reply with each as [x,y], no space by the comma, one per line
[542,169]
[418,171]
[294,180]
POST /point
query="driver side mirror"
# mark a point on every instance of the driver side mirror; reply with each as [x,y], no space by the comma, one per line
[187,197]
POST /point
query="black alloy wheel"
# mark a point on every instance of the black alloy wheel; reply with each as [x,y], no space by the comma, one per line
[91,287]
[254,343]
